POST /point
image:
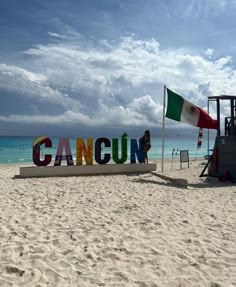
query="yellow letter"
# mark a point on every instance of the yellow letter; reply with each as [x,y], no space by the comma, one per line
[82,150]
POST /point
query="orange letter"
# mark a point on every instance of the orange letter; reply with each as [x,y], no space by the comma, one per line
[82,150]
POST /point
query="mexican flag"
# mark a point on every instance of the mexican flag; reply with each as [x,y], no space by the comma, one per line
[180,110]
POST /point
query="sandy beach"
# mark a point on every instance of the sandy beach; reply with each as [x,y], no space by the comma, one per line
[117,230]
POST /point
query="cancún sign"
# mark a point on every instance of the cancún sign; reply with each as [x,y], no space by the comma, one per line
[89,149]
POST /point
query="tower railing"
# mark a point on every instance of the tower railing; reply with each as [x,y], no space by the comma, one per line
[230,126]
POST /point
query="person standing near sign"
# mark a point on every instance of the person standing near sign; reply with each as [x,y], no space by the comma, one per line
[145,145]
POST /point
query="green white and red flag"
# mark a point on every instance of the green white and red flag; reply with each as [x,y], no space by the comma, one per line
[181,110]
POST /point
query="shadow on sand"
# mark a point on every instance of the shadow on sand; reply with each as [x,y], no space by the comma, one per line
[207,182]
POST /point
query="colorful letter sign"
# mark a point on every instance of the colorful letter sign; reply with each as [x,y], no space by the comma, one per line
[85,150]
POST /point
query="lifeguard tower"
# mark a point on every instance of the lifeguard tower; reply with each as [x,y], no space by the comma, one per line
[222,162]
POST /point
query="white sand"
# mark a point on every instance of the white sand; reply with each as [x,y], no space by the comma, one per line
[121,230]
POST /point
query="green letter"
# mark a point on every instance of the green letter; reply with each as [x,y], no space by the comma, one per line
[115,149]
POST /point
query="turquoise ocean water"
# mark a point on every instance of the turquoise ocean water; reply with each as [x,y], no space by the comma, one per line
[19,149]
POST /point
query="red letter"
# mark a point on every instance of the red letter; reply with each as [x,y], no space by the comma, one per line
[36,151]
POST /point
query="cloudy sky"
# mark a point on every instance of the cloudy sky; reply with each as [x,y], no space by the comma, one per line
[75,67]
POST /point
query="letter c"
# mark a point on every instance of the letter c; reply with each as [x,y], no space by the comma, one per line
[36,151]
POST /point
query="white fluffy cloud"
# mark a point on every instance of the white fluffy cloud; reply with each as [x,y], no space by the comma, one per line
[32,85]
[114,83]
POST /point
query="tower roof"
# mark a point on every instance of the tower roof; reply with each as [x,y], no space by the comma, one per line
[222,97]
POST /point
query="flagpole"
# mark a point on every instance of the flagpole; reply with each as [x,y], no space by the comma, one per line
[163,129]
[208,132]
[208,137]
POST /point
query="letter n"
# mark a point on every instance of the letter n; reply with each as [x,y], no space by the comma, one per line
[82,150]
[135,150]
